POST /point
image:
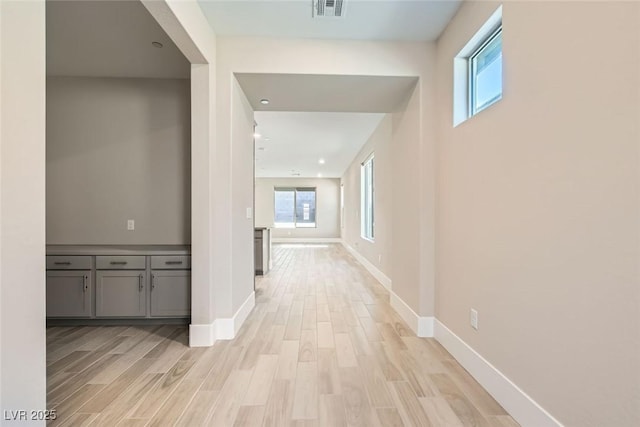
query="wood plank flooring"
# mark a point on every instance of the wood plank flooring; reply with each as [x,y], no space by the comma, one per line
[321,348]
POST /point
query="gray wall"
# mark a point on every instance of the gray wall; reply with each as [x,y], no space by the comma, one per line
[118,149]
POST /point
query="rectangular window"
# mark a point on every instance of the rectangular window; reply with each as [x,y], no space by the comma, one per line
[294,207]
[366,197]
[485,73]
[477,71]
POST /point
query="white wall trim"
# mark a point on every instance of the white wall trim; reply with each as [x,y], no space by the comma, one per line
[375,272]
[227,328]
[516,402]
[306,240]
[421,325]
[223,328]
[203,335]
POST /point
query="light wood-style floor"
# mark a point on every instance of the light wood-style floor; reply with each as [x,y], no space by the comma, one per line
[321,348]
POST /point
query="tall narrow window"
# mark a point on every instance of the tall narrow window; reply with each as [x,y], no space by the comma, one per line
[341,205]
[366,197]
[294,207]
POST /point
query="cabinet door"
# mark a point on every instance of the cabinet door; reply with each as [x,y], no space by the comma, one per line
[171,293]
[69,293]
[120,293]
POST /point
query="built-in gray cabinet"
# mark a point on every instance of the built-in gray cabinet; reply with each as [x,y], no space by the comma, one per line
[118,283]
[170,293]
[121,293]
[121,286]
[69,286]
[69,293]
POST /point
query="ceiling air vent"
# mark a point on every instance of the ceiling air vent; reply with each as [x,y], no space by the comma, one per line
[328,8]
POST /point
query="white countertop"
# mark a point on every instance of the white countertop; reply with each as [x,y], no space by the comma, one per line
[118,250]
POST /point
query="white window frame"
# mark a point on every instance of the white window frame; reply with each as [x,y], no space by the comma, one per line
[472,72]
[367,198]
[295,213]
[462,73]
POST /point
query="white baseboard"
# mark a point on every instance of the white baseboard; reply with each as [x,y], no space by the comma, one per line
[375,272]
[227,328]
[205,335]
[422,326]
[306,240]
[515,401]
[425,326]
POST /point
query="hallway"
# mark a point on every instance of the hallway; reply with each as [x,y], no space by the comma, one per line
[322,347]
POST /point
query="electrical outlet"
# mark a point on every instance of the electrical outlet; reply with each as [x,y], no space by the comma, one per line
[131,225]
[249,213]
[473,318]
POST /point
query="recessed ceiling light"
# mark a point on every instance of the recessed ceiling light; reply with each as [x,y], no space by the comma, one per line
[321,161]
[264,101]
[319,175]
[256,135]
[157,44]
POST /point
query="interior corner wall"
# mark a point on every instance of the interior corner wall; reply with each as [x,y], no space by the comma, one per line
[22,209]
[377,252]
[406,202]
[327,207]
[539,207]
[118,149]
[242,275]
[185,23]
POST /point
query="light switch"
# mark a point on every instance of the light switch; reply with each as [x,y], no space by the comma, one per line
[131,225]
[249,213]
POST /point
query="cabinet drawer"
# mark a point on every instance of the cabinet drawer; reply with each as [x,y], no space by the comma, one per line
[65,262]
[171,262]
[120,262]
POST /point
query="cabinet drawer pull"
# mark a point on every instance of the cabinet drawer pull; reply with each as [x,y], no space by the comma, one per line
[118,263]
[85,286]
[140,285]
[153,281]
[62,263]
[173,262]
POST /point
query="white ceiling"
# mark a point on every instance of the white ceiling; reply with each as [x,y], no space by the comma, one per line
[338,93]
[310,117]
[109,39]
[298,140]
[363,20]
